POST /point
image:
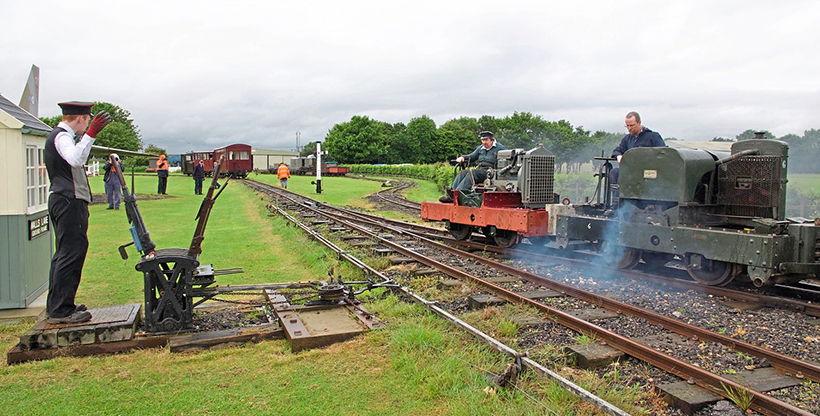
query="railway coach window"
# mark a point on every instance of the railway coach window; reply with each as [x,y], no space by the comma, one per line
[241,155]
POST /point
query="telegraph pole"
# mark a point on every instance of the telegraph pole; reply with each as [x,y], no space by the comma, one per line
[298,133]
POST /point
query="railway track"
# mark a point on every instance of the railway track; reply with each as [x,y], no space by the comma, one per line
[415,242]
[392,196]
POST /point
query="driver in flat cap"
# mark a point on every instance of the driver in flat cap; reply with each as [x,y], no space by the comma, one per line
[68,201]
[485,156]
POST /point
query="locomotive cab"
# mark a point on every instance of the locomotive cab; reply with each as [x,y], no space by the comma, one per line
[666,181]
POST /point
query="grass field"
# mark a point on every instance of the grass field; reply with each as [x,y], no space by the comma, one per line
[417,365]
[808,183]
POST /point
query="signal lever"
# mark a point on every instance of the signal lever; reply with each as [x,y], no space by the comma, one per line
[140,235]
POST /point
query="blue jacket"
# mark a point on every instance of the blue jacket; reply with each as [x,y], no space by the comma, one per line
[646,138]
[485,158]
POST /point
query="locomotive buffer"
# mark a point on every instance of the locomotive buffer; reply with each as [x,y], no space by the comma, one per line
[173,277]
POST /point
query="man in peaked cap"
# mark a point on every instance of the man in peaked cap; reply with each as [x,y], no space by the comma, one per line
[68,201]
[485,156]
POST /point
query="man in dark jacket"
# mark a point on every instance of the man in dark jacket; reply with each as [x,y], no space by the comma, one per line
[68,199]
[113,192]
[484,156]
[199,176]
[638,136]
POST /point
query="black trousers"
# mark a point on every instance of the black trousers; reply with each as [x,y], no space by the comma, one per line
[163,182]
[69,217]
[197,186]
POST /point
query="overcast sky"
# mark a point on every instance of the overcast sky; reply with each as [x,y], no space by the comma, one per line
[201,74]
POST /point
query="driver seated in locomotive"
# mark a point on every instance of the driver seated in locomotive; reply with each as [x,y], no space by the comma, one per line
[638,136]
[484,156]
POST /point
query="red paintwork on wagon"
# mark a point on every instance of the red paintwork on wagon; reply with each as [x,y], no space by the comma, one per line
[339,170]
[501,209]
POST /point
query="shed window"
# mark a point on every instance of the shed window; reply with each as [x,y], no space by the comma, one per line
[36,179]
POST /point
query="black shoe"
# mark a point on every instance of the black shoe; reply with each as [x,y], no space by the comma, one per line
[80,307]
[447,199]
[116,207]
[110,208]
[74,318]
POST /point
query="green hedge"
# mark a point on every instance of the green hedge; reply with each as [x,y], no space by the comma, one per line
[440,173]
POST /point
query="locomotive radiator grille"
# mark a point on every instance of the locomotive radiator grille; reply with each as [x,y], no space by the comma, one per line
[750,186]
[817,251]
[540,171]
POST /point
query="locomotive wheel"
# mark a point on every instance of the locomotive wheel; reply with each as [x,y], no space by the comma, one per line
[622,257]
[709,272]
[506,238]
[630,258]
[460,231]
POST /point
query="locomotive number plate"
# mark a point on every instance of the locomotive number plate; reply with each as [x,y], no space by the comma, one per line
[650,174]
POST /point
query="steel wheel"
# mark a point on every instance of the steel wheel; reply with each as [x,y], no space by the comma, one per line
[506,238]
[630,258]
[621,257]
[708,272]
[460,231]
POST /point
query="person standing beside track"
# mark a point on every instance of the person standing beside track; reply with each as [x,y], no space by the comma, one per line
[485,155]
[199,176]
[162,174]
[68,199]
[113,193]
[283,173]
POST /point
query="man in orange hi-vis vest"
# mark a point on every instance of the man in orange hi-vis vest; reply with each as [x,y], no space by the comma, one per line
[283,173]
[162,174]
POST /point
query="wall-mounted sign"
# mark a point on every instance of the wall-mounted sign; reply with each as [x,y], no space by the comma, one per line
[37,227]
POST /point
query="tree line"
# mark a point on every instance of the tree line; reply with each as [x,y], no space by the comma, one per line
[363,140]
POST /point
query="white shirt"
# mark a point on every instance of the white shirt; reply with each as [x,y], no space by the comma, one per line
[75,154]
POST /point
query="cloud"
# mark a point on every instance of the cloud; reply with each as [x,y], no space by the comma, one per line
[203,74]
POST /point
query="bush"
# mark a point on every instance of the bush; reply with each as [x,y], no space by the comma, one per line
[439,173]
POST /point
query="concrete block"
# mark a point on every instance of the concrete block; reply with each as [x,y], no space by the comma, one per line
[589,356]
[525,321]
[503,279]
[689,398]
[67,337]
[448,284]
[424,272]
[540,294]
[593,314]
[482,301]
